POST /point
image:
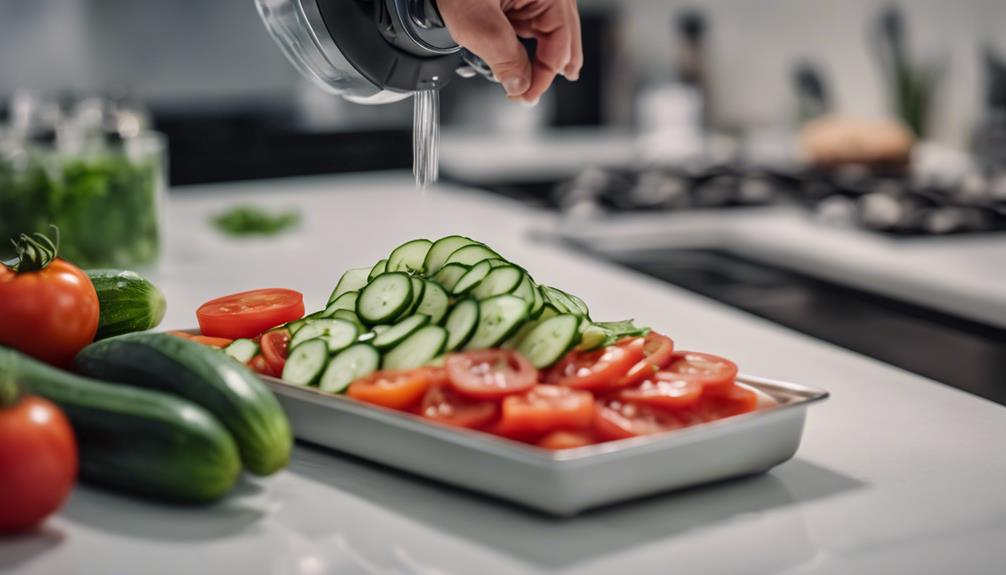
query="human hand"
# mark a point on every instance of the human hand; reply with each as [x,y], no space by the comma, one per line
[490,29]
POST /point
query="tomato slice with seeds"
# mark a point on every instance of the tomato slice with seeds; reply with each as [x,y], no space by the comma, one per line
[275,346]
[249,313]
[733,401]
[443,404]
[716,374]
[664,390]
[490,373]
[565,439]
[615,419]
[392,389]
[597,370]
[259,365]
[657,349]
[545,408]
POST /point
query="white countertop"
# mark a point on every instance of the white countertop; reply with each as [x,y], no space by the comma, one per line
[896,474]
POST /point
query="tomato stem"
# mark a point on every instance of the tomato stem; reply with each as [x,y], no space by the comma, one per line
[34,252]
[9,392]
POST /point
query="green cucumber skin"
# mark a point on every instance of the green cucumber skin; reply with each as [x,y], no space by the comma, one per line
[203,375]
[128,302]
[137,440]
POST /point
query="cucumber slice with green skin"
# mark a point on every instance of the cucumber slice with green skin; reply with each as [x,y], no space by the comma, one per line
[476,274]
[409,257]
[378,269]
[471,255]
[418,290]
[434,303]
[416,350]
[441,250]
[577,302]
[499,318]
[525,290]
[351,317]
[498,262]
[385,298]
[242,350]
[295,325]
[306,362]
[461,323]
[352,280]
[345,301]
[560,301]
[347,366]
[538,303]
[337,334]
[450,274]
[550,339]
[498,281]
[394,335]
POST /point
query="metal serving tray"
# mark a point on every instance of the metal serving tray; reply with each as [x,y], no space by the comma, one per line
[556,482]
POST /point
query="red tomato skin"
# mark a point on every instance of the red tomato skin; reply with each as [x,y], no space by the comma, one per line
[664,390]
[600,370]
[50,314]
[543,409]
[467,373]
[266,308]
[614,420]
[275,347]
[443,404]
[733,401]
[716,373]
[398,390]
[658,350]
[38,462]
[261,366]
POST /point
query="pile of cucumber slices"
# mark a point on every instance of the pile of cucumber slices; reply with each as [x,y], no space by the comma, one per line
[428,298]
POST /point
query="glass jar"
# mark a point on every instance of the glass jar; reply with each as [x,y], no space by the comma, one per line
[105,197]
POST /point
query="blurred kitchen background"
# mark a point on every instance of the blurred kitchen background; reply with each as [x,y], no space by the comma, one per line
[865,122]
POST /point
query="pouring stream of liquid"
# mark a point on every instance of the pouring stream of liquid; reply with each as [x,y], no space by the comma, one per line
[426,136]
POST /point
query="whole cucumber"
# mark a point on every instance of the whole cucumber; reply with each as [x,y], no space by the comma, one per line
[133,439]
[205,376]
[127,301]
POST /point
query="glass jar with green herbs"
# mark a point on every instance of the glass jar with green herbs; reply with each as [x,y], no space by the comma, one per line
[104,199]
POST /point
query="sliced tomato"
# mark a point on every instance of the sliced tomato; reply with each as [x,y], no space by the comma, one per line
[598,370]
[615,419]
[490,373]
[657,351]
[181,334]
[259,365]
[249,313]
[392,389]
[733,401]
[716,374]
[443,404]
[565,439]
[220,342]
[664,390]
[274,346]
[545,408]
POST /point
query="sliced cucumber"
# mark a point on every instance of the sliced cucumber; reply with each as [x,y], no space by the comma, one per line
[461,323]
[348,365]
[242,349]
[498,262]
[441,250]
[550,340]
[385,298]
[499,318]
[345,301]
[525,289]
[352,280]
[418,290]
[476,274]
[471,255]
[295,325]
[337,333]
[449,275]
[422,346]
[409,257]
[378,269]
[498,281]
[394,335]
[351,317]
[306,362]
[559,300]
[538,303]
[434,303]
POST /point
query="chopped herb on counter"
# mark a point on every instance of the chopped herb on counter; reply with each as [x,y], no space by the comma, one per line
[255,221]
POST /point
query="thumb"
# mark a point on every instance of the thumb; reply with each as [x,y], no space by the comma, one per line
[487,32]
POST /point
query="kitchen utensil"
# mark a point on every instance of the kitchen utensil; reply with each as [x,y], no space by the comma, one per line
[369,51]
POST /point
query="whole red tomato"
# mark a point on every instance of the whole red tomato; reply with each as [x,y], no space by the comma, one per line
[38,461]
[49,308]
